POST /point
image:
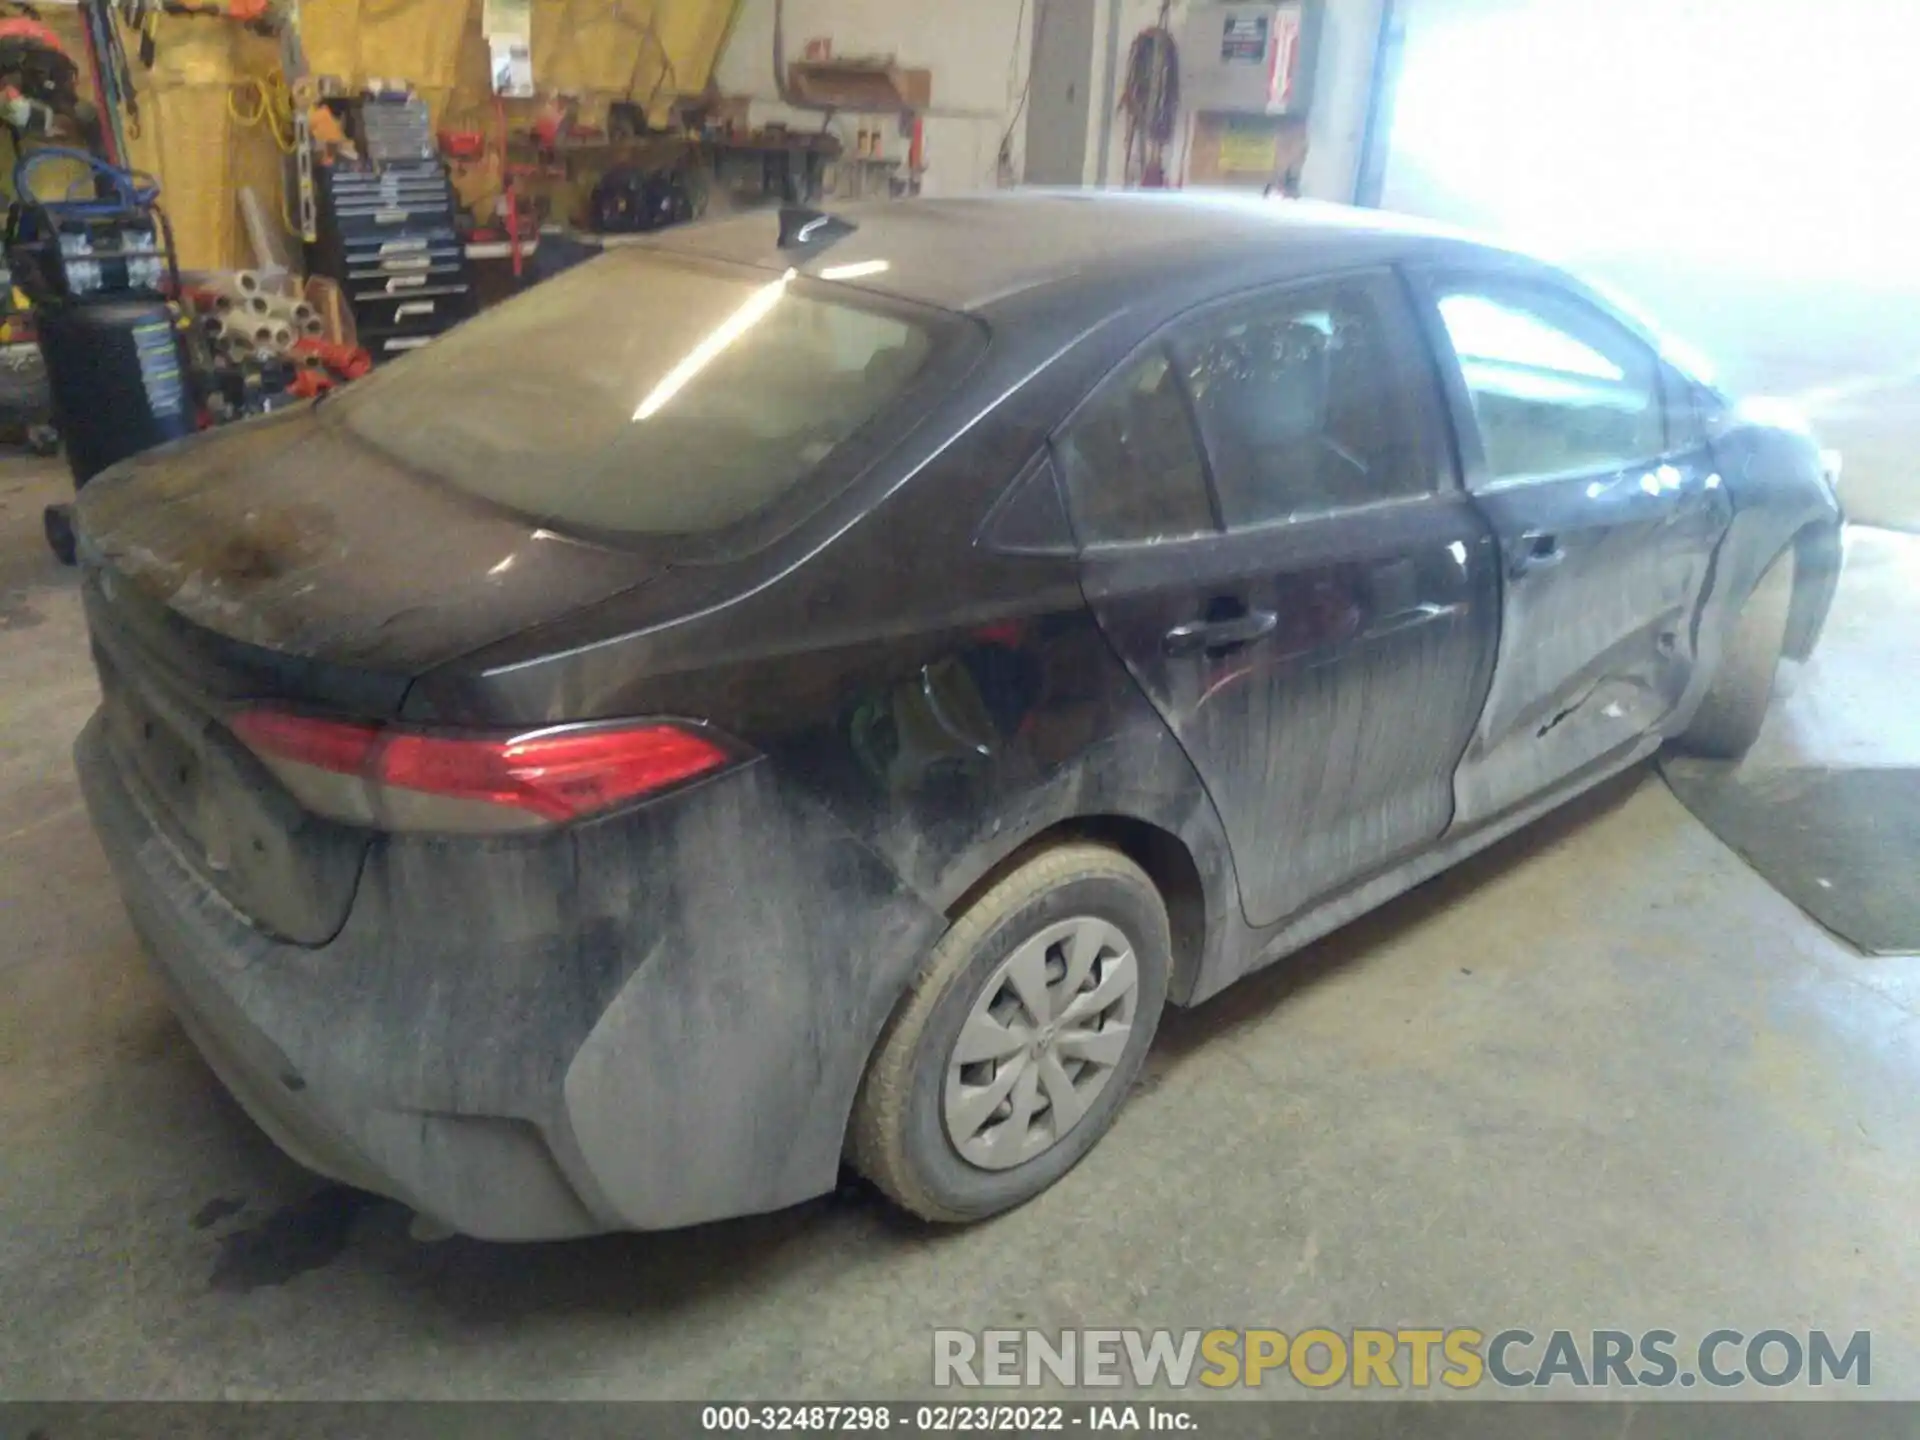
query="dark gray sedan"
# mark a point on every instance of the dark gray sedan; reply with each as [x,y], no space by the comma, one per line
[813,688]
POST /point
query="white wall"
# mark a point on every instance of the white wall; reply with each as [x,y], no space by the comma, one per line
[978,52]
[1771,134]
[1744,168]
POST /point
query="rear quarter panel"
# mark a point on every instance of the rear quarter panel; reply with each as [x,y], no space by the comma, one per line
[944,701]
[920,700]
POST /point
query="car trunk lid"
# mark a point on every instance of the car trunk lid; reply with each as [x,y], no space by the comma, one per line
[286,562]
[290,536]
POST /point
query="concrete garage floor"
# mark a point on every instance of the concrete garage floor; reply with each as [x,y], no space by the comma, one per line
[1602,1076]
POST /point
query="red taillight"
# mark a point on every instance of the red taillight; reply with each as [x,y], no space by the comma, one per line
[547,775]
[336,745]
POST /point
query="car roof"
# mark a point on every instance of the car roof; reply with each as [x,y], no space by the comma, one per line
[968,252]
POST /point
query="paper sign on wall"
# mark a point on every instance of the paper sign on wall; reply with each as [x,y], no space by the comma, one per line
[1243,39]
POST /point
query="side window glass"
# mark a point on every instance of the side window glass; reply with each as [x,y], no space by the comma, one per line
[1690,412]
[1132,463]
[1301,402]
[1557,387]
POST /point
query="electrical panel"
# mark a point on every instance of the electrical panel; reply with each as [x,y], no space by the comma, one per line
[1249,59]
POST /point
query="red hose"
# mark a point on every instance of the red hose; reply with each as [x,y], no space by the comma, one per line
[506,186]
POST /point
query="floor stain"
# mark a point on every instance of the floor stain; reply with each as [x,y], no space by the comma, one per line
[294,1239]
[216,1210]
[16,613]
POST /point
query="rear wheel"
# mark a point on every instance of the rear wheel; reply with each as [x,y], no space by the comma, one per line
[1729,719]
[1020,1039]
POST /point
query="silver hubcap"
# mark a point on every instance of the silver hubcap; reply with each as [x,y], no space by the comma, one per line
[1041,1042]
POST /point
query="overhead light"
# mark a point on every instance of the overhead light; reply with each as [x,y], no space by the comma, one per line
[724,334]
[855,270]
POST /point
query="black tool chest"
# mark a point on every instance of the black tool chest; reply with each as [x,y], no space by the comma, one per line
[386,233]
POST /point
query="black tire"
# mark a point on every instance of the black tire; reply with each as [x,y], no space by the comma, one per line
[1729,719]
[57,521]
[899,1138]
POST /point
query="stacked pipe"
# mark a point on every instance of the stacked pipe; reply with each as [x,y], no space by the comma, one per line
[243,316]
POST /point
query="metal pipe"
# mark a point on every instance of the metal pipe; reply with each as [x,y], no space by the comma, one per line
[1106,93]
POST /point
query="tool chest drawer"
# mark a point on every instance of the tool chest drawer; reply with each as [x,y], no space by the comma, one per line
[421,195]
[384,224]
[412,313]
[427,280]
[395,253]
[387,233]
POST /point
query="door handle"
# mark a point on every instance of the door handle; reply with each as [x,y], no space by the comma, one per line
[1216,637]
[1538,551]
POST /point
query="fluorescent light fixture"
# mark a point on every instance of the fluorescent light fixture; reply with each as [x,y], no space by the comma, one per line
[724,334]
[854,271]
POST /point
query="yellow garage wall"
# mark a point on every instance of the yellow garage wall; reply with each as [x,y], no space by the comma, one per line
[192,140]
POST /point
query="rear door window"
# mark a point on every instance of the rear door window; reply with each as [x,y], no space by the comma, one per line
[647,394]
[1132,462]
[1301,399]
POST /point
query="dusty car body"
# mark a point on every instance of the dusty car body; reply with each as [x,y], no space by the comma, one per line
[938,647]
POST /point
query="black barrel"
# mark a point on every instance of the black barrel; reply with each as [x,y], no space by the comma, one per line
[118,379]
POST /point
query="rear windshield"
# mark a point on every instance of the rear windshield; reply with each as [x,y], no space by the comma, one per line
[645,394]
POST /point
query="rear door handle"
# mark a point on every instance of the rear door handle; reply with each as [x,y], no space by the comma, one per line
[1220,636]
[1538,551]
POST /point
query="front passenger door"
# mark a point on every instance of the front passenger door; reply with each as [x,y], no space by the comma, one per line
[1605,527]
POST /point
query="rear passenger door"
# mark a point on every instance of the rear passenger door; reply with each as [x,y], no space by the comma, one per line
[1273,544]
[1606,515]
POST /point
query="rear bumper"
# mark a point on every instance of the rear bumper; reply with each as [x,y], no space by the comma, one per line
[233,989]
[519,1059]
